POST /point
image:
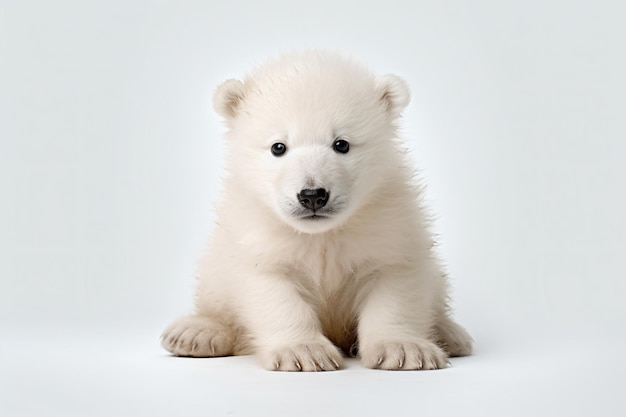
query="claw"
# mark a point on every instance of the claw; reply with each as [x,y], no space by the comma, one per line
[335,363]
[298,366]
[380,360]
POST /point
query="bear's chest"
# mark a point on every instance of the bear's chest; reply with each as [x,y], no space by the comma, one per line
[330,283]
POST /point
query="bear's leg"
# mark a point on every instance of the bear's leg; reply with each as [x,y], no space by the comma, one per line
[395,324]
[453,338]
[285,329]
[198,336]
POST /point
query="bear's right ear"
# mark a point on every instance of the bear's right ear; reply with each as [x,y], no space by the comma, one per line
[394,93]
[228,97]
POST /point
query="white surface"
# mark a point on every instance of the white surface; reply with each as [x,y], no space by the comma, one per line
[110,158]
[106,376]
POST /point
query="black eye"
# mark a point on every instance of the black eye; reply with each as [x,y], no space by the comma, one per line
[341,146]
[278,149]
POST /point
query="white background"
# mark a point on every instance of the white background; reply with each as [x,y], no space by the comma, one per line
[110,160]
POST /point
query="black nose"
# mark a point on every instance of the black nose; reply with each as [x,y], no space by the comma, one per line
[313,199]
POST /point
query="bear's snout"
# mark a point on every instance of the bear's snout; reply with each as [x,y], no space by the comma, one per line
[313,199]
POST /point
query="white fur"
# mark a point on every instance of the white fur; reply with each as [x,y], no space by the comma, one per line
[291,290]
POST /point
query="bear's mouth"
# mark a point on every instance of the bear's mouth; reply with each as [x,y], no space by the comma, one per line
[325,213]
[314,215]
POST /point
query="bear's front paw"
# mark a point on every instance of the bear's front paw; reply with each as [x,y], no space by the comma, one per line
[405,355]
[305,356]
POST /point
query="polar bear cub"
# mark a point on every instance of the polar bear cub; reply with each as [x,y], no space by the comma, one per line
[321,246]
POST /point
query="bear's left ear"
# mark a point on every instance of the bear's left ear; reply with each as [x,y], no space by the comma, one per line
[394,93]
[228,97]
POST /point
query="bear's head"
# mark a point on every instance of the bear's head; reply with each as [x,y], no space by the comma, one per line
[312,137]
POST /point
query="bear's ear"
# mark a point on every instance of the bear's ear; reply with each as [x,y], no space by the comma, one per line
[394,93]
[228,97]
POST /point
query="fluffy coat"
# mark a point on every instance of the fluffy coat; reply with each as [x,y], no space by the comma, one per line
[296,279]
